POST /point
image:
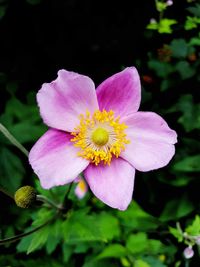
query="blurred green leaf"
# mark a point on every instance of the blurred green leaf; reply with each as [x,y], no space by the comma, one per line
[165,25]
[191,23]
[160,6]
[189,164]
[177,233]
[191,113]
[179,48]
[11,170]
[100,263]
[176,209]
[23,121]
[113,251]
[162,69]
[185,69]
[134,218]
[137,243]
[141,263]
[154,262]
[195,10]
[194,228]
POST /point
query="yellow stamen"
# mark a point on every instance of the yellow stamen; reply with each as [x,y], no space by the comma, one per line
[100,136]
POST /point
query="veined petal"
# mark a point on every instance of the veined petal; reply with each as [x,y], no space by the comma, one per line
[112,184]
[121,92]
[54,159]
[63,100]
[152,141]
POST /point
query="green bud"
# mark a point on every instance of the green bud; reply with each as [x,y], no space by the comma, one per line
[25,196]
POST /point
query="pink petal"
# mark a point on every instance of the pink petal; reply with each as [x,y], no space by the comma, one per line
[112,184]
[81,188]
[152,141]
[63,100]
[121,92]
[54,159]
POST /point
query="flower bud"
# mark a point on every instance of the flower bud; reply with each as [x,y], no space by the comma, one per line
[188,252]
[25,196]
[169,3]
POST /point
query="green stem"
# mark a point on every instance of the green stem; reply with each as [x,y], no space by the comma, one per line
[17,237]
[13,140]
[49,202]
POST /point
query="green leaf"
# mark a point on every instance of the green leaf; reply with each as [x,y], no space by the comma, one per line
[177,208]
[177,233]
[113,251]
[11,170]
[67,251]
[100,263]
[24,243]
[39,239]
[152,26]
[81,227]
[134,218]
[162,69]
[154,262]
[109,225]
[155,246]
[179,48]
[184,69]
[191,23]
[141,263]
[194,41]
[137,243]
[165,25]
[160,6]
[22,120]
[194,228]
[189,164]
[191,113]
[195,10]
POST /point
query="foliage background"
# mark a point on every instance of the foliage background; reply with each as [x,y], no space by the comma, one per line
[99,38]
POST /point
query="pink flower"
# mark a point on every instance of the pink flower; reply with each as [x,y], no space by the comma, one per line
[100,133]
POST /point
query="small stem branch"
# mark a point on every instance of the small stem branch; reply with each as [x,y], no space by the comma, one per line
[17,237]
[13,140]
[187,263]
[48,201]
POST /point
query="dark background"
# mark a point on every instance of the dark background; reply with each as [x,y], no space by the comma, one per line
[95,38]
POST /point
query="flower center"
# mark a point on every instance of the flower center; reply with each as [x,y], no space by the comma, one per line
[100,136]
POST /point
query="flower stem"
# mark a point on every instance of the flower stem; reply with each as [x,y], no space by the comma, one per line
[17,237]
[13,140]
[49,202]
